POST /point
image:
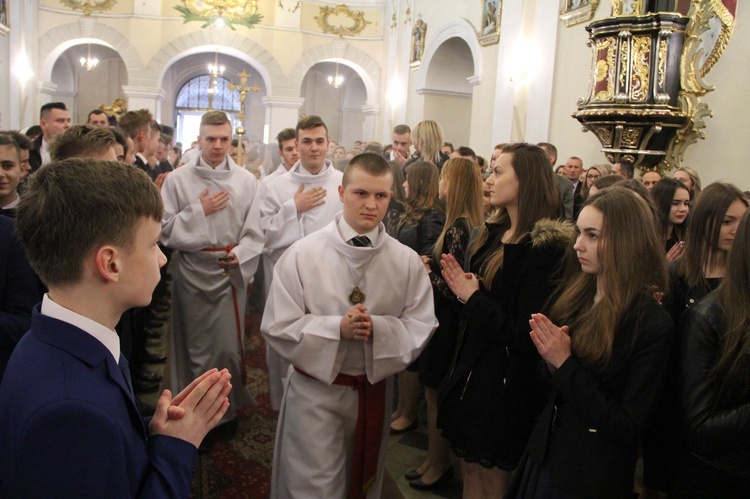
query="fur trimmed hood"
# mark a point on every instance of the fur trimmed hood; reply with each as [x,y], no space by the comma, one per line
[548,232]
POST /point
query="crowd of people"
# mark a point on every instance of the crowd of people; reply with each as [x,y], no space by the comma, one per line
[560,323]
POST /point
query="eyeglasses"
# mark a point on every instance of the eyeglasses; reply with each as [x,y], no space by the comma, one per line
[592,177]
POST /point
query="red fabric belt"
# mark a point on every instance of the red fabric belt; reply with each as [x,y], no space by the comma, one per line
[243,372]
[370,421]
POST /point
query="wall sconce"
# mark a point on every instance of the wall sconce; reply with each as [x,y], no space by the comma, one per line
[22,69]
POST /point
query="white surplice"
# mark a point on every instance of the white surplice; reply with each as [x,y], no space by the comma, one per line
[282,226]
[203,324]
[309,296]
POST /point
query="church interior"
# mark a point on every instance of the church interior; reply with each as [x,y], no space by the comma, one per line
[488,71]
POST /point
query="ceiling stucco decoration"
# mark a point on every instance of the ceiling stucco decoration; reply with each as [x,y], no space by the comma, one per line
[89,6]
[230,12]
[333,21]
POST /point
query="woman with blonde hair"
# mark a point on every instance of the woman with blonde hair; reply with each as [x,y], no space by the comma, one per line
[605,346]
[491,396]
[419,228]
[691,179]
[427,137]
[593,174]
[460,188]
[715,371]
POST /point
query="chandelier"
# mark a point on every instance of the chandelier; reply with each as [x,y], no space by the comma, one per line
[89,62]
[215,70]
[220,12]
[337,80]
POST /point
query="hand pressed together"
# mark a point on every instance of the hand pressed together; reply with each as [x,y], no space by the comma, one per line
[463,284]
[356,324]
[552,342]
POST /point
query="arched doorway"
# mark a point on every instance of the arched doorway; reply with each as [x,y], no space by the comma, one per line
[340,107]
[190,93]
[82,90]
[447,91]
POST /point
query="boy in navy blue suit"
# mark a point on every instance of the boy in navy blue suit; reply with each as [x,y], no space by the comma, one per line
[69,423]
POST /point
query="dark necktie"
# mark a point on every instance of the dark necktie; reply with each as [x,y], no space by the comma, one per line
[360,241]
[125,370]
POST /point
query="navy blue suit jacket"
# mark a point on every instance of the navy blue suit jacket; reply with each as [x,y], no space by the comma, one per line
[19,291]
[70,428]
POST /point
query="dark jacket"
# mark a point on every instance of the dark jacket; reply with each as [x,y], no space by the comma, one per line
[492,394]
[589,432]
[422,236]
[19,291]
[35,154]
[718,431]
[69,426]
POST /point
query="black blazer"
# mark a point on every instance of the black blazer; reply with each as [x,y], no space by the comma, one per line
[589,432]
[35,155]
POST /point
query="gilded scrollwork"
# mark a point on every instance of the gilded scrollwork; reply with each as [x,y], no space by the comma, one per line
[662,62]
[630,137]
[357,16]
[640,71]
[605,69]
[605,135]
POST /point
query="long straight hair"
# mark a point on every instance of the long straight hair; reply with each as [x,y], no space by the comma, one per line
[628,229]
[663,195]
[732,370]
[702,242]
[464,198]
[423,178]
[538,198]
[428,139]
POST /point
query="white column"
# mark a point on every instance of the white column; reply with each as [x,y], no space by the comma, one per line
[541,74]
[371,121]
[281,113]
[144,98]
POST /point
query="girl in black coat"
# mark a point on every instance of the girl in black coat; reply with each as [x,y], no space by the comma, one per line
[605,364]
[492,394]
[715,373]
[419,228]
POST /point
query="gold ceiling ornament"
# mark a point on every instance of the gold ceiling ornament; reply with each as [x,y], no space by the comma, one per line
[341,30]
[291,10]
[89,6]
[228,12]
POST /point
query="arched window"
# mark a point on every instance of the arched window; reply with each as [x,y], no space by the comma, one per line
[198,96]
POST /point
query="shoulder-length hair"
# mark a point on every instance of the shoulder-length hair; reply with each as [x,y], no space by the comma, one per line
[464,199]
[427,137]
[603,171]
[538,198]
[628,235]
[663,195]
[732,370]
[702,242]
[694,178]
[423,178]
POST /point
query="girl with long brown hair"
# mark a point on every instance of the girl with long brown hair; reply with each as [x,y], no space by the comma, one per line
[672,200]
[491,396]
[715,372]
[461,189]
[419,228]
[605,345]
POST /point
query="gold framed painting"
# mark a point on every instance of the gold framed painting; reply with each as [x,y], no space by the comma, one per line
[489,31]
[574,12]
[4,23]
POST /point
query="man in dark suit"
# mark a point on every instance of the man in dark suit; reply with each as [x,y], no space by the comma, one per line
[563,184]
[140,126]
[69,423]
[54,118]
[573,169]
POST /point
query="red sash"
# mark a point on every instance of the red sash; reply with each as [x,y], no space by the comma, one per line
[370,421]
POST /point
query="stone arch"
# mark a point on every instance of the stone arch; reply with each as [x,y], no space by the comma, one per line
[57,40]
[342,52]
[232,44]
[455,28]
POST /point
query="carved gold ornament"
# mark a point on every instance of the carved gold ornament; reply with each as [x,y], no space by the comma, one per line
[641,62]
[357,16]
[605,69]
[231,12]
[626,7]
[89,6]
